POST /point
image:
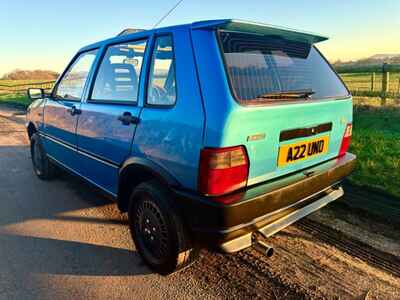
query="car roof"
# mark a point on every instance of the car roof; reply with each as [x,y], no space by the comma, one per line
[224,24]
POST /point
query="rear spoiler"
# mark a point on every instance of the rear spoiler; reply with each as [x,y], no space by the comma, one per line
[129,31]
[260,28]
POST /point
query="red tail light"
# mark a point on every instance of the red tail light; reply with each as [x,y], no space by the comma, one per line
[346,140]
[222,170]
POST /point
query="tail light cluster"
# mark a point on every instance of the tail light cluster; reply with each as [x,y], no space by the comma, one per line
[346,140]
[222,170]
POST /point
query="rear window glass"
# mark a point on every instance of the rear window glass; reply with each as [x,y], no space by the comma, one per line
[272,68]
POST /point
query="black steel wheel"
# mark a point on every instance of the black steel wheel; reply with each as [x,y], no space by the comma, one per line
[42,166]
[158,231]
[153,235]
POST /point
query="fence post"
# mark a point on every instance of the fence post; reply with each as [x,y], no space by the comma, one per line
[385,86]
[372,81]
[398,88]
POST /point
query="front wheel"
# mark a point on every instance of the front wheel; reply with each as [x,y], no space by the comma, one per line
[158,231]
[42,166]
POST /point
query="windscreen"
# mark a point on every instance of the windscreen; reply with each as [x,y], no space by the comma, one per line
[273,68]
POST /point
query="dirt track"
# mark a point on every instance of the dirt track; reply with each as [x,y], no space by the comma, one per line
[62,240]
[311,261]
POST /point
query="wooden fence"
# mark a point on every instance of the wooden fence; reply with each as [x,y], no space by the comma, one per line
[21,86]
[384,85]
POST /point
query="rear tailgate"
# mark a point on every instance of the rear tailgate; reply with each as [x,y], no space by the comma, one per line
[286,104]
[270,133]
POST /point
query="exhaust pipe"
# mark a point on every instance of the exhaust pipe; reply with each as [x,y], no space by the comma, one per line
[263,247]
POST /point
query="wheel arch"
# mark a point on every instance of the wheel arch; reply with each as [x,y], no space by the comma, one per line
[31,129]
[136,170]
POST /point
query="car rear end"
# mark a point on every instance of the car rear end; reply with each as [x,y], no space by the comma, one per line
[278,127]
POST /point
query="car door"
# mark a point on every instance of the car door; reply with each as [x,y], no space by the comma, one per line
[171,123]
[63,108]
[111,113]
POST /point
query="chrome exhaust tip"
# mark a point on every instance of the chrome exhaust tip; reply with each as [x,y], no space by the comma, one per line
[263,247]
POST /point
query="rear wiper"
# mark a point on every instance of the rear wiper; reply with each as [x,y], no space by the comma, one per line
[295,94]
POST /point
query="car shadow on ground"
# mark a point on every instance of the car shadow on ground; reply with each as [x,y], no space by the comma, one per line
[21,190]
[46,226]
[26,254]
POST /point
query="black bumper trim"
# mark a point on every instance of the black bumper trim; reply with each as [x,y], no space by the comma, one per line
[259,205]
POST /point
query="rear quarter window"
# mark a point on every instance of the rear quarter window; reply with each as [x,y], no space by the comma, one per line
[162,82]
[261,66]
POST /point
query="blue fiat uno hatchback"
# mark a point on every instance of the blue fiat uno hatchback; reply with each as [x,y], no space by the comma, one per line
[217,133]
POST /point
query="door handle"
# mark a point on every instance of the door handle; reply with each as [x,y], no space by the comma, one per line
[126,118]
[74,111]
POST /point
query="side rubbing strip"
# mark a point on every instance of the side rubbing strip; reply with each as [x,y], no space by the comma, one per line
[304,132]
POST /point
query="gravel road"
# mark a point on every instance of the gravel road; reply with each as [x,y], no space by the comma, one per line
[64,240]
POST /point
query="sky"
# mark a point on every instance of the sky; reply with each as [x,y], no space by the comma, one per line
[45,34]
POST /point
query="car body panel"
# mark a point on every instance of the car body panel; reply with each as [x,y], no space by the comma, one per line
[34,114]
[103,142]
[59,131]
[269,122]
[172,137]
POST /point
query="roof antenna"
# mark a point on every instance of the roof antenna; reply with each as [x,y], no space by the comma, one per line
[167,14]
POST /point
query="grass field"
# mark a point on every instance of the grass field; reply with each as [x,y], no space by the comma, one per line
[376,142]
[375,101]
[19,99]
[362,82]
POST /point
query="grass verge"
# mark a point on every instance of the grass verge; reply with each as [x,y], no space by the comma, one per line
[376,142]
[18,100]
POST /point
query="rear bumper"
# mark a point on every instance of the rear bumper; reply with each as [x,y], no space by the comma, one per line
[266,208]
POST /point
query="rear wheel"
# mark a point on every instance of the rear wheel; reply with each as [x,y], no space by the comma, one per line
[158,231]
[42,166]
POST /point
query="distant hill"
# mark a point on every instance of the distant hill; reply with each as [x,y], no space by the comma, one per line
[371,64]
[30,75]
[384,56]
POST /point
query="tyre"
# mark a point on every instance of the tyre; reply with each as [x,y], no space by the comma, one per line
[158,231]
[42,166]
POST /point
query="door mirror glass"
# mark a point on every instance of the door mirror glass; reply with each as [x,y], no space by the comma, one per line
[35,93]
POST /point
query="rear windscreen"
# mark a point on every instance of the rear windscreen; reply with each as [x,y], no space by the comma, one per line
[261,66]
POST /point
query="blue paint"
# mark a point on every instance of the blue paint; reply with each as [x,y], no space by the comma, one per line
[95,144]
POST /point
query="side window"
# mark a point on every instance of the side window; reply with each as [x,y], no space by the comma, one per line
[162,81]
[119,72]
[72,84]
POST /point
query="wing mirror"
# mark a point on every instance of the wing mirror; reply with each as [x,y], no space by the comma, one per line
[35,93]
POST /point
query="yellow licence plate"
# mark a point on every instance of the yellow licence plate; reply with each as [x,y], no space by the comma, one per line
[299,151]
